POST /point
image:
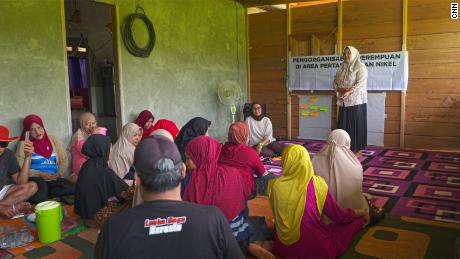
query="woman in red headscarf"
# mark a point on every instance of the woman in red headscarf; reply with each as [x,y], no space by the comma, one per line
[167,125]
[215,184]
[145,121]
[237,154]
[49,161]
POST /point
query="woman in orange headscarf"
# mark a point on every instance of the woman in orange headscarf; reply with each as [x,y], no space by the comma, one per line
[236,153]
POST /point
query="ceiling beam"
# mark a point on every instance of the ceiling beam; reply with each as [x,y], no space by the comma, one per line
[254,3]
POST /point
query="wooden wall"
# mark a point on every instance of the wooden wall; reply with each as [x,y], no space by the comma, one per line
[433,99]
[267,59]
[376,26]
[312,33]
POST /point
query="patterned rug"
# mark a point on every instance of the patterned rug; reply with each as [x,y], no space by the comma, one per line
[421,191]
[394,237]
[80,245]
[416,184]
[71,225]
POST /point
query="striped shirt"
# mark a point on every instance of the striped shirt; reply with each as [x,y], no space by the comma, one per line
[240,228]
[43,164]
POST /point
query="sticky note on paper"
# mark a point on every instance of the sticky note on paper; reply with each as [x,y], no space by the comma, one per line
[313,99]
[305,113]
[314,114]
[324,108]
[314,107]
[303,106]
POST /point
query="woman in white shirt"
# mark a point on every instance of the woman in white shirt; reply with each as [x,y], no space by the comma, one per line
[350,84]
[261,133]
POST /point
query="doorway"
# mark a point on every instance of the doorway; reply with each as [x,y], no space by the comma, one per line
[91,62]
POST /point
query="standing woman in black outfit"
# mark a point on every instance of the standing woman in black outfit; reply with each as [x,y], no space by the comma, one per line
[350,84]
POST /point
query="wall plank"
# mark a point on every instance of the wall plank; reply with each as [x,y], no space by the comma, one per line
[435,70]
[433,100]
[430,142]
[391,140]
[431,128]
[433,41]
[430,56]
[435,114]
[433,85]
[375,45]
[431,26]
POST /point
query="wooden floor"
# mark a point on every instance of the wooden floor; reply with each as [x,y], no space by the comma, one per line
[260,206]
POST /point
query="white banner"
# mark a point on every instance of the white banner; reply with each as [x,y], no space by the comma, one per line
[388,71]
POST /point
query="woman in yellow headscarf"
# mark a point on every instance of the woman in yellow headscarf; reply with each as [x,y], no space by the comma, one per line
[298,199]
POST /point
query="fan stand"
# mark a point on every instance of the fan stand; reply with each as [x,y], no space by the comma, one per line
[233,111]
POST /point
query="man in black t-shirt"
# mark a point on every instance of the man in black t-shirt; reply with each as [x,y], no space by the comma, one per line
[164,226]
[14,185]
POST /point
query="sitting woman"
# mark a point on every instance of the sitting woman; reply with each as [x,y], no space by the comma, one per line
[88,124]
[215,184]
[167,125]
[261,133]
[298,199]
[236,153]
[123,150]
[342,171]
[145,120]
[96,182]
[195,127]
[49,161]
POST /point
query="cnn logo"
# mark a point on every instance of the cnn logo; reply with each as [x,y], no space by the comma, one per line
[454,11]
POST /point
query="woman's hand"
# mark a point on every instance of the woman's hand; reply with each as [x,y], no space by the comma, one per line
[347,94]
[342,90]
[45,176]
[49,177]
[28,148]
[259,147]
[6,212]
[94,130]
[73,178]
[360,212]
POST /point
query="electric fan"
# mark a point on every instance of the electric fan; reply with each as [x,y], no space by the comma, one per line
[229,93]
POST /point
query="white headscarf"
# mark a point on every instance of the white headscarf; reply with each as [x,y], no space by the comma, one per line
[346,70]
[123,150]
[162,132]
[341,170]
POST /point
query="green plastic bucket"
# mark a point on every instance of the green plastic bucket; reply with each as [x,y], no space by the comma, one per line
[48,218]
